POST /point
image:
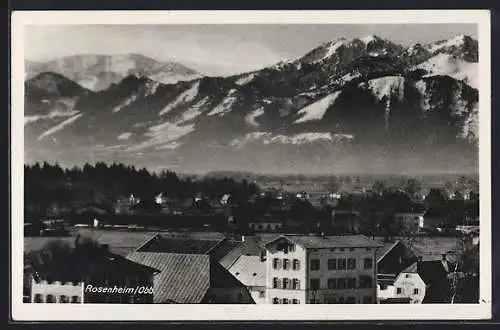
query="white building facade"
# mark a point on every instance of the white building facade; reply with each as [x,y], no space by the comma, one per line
[321,270]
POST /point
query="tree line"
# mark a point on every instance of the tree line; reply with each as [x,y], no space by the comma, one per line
[48,184]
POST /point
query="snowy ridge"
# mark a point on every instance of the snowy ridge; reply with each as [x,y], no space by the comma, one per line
[125,103]
[250,118]
[316,110]
[245,79]
[456,41]
[225,106]
[59,127]
[185,97]
[124,136]
[332,48]
[168,78]
[163,134]
[52,114]
[267,138]
[387,86]
[447,65]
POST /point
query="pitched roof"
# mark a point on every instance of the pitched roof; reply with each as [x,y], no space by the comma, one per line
[251,246]
[79,263]
[383,250]
[160,243]
[184,278]
[429,271]
[249,270]
[318,242]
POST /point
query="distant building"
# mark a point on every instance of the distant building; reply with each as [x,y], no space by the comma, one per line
[267,223]
[409,221]
[72,282]
[124,205]
[321,270]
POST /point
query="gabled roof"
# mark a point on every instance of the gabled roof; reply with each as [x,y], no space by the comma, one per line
[318,242]
[250,247]
[184,278]
[383,250]
[249,270]
[429,271]
[80,263]
[188,245]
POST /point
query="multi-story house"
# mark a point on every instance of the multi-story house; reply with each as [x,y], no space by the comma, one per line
[321,270]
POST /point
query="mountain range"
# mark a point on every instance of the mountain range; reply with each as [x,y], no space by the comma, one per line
[349,105]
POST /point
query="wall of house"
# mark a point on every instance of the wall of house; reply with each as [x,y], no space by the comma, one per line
[409,221]
[258,294]
[325,295]
[405,286]
[300,274]
[385,292]
[43,289]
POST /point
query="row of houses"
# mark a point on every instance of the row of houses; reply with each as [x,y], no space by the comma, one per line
[260,269]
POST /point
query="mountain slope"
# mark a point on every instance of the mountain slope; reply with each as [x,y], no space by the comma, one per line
[98,72]
[361,105]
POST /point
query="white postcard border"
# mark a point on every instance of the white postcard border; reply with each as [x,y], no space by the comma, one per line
[109,312]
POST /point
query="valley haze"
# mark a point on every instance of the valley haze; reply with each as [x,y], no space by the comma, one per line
[352,104]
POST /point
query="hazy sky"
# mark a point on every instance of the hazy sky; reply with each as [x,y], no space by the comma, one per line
[218,49]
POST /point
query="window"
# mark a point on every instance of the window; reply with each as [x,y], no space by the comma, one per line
[261,226]
[286,283]
[296,264]
[291,248]
[367,300]
[276,263]
[276,301]
[226,297]
[64,299]
[240,297]
[286,264]
[332,264]
[341,249]
[351,283]
[351,249]
[285,301]
[268,227]
[276,283]
[366,282]
[399,290]
[314,284]
[296,284]
[415,291]
[332,283]
[51,299]
[351,263]
[368,263]
[262,294]
[341,300]
[341,264]
[368,249]
[295,301]
[75,299]
[314,301]
[314,264]
[341,283]
[330,300]
[351,300]
[38,298]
